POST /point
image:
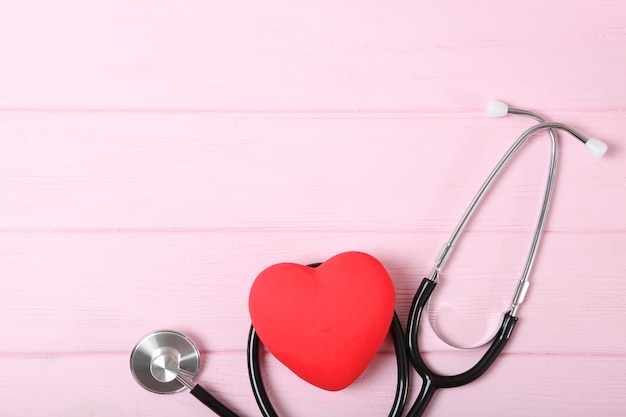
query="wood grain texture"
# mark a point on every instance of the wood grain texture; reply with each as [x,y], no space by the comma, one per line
[331,55]
[148,170]
[100,292]
[525,385]
[155,156]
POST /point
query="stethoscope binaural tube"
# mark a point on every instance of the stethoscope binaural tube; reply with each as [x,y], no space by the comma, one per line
[432,381]
[498,109]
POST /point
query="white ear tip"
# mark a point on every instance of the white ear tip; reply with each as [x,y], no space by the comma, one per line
[496,108]
[596,147]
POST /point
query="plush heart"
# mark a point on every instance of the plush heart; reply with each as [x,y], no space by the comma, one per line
[326,324]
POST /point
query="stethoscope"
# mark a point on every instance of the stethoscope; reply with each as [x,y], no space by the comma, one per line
[167,361]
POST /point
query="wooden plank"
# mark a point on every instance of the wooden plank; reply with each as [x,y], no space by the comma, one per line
[325,55]
[154,157]
[517,385]
[100,292]
[418,171]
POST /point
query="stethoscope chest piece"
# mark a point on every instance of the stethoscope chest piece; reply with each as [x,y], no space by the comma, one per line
[160,356]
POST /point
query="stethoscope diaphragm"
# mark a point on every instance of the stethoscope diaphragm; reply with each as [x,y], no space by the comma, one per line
[159,357]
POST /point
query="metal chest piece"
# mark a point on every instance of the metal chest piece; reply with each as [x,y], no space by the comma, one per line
[159,357]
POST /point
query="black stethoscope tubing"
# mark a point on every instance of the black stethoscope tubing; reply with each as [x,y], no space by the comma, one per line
[432,381]
[402,384]
[402,361]
[258,386]
[407,351]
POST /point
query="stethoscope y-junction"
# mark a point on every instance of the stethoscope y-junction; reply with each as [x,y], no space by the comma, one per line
[167,361]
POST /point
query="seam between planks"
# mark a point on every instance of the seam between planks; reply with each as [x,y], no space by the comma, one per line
[37,355]
[293,230]
[301,113]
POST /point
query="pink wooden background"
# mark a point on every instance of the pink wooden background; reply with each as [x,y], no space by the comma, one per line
[156,155]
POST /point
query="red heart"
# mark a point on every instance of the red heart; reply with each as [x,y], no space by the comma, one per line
[326,324]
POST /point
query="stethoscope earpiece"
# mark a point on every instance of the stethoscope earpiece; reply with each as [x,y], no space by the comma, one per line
[160,358]
[496,108]
[596,148]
